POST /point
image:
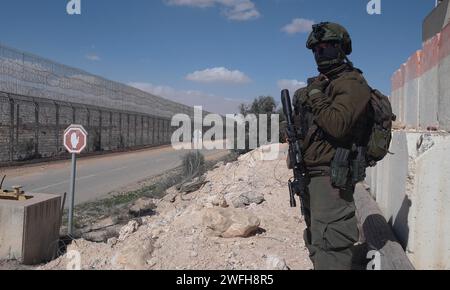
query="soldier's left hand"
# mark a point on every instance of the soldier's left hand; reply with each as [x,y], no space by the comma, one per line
[318,86]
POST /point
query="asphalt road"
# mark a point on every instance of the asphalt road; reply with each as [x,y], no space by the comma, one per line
[100,175]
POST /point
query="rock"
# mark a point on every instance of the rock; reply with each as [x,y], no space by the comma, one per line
[142,207]
[171,194]
[240,202]
[99,225]
[254,197]
[104,223]
[193,185]
[133,255]
[102,236]
[219,164]
[96,236]
[219,201]
[112,241]
[127,230]
[248,198]
[276,263]
[231,222]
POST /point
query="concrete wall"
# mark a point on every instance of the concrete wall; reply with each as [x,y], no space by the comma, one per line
[412,189]
[436,20]
[421,87]
[412,186]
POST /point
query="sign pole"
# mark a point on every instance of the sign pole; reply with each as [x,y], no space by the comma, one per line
[72,193]
[75,141]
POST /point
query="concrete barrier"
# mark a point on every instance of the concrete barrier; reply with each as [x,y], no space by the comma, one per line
[429,84]
[412,90]
[29,230]
[421,87]
[412,189]
[412,186]
[444,79]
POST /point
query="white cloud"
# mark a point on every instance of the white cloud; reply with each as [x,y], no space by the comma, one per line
[291,85]
[238,10]
[298,25]
[93,57]
[210,102]
[218,74]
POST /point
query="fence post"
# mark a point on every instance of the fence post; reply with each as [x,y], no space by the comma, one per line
[36,129]
[11,129]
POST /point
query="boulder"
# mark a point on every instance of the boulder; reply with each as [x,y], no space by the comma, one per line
[231,222]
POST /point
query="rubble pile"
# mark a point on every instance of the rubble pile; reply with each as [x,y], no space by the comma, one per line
[239,219]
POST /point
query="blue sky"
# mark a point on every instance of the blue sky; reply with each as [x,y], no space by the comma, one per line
[213,52]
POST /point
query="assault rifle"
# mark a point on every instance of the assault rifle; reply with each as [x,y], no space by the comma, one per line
[298,185]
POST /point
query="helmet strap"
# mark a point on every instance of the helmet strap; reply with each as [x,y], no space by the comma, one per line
[347,60]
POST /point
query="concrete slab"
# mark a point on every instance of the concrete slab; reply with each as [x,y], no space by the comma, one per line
[412,189]
[29,230]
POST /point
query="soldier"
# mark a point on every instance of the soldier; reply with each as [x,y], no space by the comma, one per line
[334,120]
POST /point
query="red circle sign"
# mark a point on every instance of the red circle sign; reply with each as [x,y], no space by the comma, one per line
[75,139]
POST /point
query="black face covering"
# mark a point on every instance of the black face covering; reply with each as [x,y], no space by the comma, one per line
[323,54]
[328,58]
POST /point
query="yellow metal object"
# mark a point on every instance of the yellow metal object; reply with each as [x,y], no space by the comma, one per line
[16,194]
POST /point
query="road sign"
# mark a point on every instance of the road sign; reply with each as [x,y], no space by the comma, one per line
[75,139]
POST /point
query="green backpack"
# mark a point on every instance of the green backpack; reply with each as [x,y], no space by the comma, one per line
[381,135]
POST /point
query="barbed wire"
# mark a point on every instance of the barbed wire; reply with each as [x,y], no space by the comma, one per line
[25,74]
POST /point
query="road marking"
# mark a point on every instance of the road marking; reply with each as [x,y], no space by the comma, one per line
[62,182]
[117,169]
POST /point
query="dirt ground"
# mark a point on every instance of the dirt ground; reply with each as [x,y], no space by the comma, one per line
[179,237]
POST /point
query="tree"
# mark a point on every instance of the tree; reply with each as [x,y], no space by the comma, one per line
[261,105]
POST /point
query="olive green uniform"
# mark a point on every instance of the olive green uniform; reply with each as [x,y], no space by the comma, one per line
[336,117]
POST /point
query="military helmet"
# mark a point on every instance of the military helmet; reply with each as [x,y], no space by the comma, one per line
[330,32]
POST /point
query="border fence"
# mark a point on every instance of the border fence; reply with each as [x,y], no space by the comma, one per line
[39,98]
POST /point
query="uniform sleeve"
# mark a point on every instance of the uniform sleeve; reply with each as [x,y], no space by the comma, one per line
[337,116]
[300,97]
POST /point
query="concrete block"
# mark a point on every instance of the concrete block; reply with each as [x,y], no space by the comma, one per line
[411,86]
[444,94]
[429,99]
[29,230]
[395,102]
[413,190]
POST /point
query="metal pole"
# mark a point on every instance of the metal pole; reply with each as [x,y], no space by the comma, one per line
[72,193]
